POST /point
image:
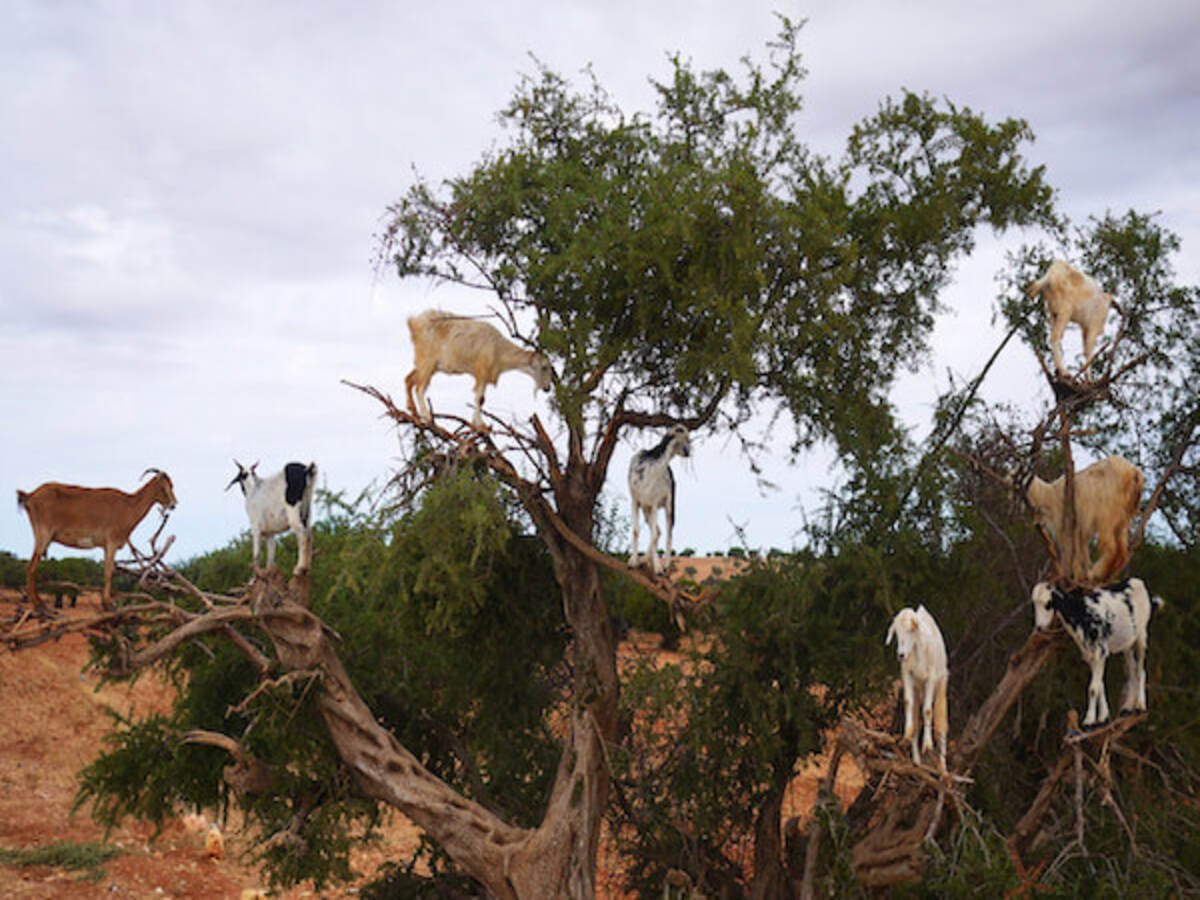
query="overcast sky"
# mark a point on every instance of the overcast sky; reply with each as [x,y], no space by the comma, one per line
[191,190]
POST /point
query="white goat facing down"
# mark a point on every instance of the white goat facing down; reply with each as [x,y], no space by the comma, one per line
[1072,296]
[456,345]
[1115,619]
[922,654]
[651,486]
[279,504]
[1107,494]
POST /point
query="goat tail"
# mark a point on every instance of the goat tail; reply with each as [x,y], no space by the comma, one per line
[22,500]
[941,711]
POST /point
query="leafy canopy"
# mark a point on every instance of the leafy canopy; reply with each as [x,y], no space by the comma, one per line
[702,253]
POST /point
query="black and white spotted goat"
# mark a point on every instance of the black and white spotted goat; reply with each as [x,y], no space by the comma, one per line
[1103,621]
[280,503]
[651,486]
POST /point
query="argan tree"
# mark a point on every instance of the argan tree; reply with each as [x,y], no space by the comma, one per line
[694,265]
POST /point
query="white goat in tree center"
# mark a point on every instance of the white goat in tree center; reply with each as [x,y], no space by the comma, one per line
[924,671]
[459,345]
[651,486]
[280,503]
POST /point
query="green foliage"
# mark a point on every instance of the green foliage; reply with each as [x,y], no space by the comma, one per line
[1156,423]
[975,863]
[701,253]
[632,606]
[450,626]
[401,883]
[77,569]
[791,646]
[222,570]
[148,773]
[461,662]
[12,570]
[69,855]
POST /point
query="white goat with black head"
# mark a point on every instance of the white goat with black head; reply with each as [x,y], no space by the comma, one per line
[1113,619]
[651,486]
[923,667]
[280,503]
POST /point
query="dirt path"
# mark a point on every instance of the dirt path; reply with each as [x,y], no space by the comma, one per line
[54,723]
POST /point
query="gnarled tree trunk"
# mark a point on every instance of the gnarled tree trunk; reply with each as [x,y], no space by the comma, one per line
[556,859]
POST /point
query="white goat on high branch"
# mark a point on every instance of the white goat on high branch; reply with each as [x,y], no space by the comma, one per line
[1072,296]
[459,345]
[280,503]
[923,667]
[651,486]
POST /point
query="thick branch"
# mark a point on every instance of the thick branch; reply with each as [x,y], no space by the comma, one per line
[473,836]
[217,620]
[1023,667]
[637,419]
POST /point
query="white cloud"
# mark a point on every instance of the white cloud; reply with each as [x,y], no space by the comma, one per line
[186,220]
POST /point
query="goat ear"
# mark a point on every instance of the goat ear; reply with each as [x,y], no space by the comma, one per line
[891,634]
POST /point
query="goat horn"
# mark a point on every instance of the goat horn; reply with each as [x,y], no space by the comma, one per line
[151,471]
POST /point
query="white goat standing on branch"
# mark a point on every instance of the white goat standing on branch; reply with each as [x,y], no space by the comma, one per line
[1072,296]
[457,345]
[89,517]
[651,486]
[279,504]
[1107,494]
[922,653]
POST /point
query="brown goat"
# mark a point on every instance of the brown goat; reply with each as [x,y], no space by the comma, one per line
[1107,494]
[89,517]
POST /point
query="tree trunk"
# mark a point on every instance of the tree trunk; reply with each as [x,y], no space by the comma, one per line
[770,878]
[477,840]
[580,795]
[557,859]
